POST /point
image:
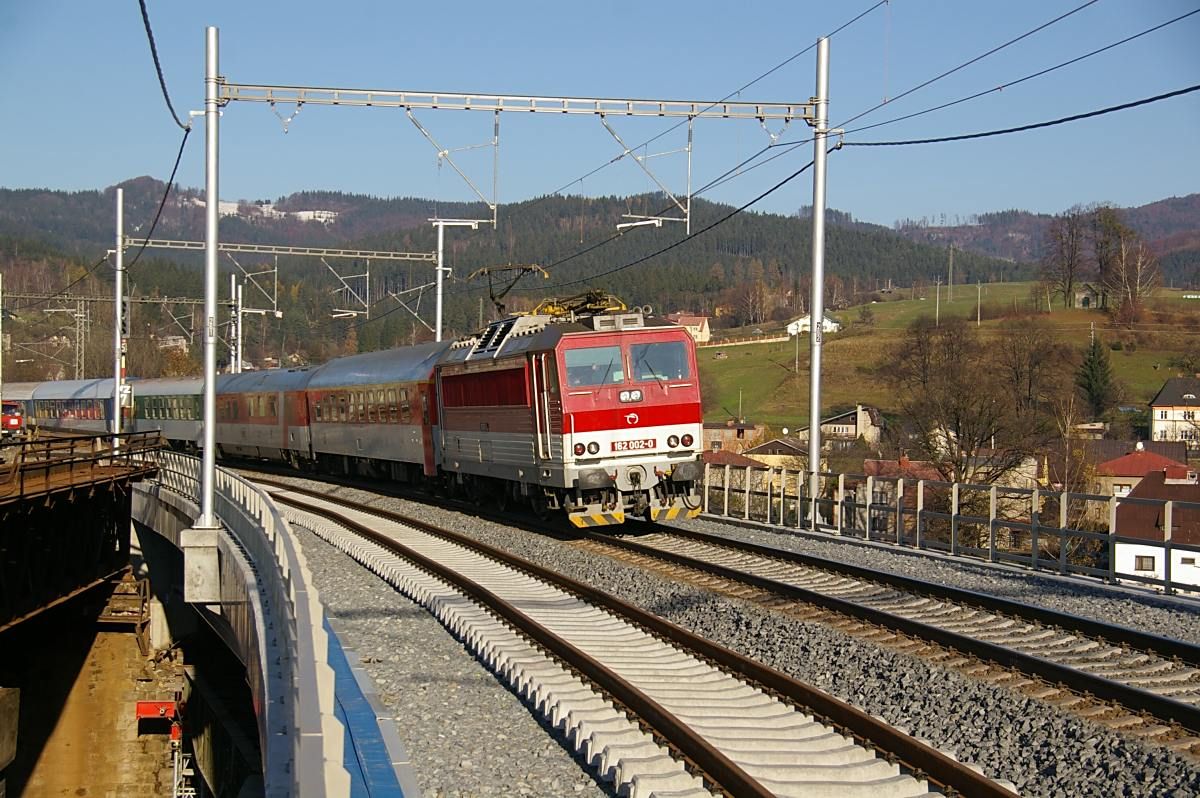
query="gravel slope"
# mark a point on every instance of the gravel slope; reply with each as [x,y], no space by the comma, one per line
[1043,751]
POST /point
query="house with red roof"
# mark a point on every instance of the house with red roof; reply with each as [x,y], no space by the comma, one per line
[695,324]
[1120,475]
[1179,487]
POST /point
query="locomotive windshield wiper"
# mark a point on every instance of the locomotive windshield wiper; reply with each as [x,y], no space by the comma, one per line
[607,371]
[653,373]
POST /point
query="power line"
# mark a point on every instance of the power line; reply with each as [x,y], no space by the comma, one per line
[739,90]
[91,270]
[1030,76]
[163,202]
[696,234]
[968,63]
[162,81]
[1034,126]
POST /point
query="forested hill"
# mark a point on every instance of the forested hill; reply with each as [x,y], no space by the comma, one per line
[1171,227]
[754,266]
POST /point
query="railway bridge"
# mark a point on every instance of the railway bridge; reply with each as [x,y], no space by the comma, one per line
[80,518]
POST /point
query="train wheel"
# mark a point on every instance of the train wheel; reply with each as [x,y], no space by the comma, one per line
[540,506]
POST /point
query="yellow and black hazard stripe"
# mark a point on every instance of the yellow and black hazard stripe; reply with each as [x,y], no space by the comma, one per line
[584,520]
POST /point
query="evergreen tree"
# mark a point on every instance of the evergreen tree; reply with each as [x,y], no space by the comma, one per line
[1095,379]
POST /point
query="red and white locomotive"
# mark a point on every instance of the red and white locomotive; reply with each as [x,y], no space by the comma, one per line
[593,412]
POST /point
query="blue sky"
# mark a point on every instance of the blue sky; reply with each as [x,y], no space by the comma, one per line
[82,107]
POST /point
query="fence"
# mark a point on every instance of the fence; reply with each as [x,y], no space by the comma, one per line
[1073,534]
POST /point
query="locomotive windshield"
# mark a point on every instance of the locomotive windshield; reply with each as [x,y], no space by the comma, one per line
[596,365]
[667,360]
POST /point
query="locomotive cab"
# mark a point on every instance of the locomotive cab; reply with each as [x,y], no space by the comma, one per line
[631,423]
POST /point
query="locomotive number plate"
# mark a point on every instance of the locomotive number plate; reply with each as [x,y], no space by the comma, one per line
[639,445]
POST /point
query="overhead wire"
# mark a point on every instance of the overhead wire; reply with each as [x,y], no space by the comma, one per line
[603,242]
[1031,76]
[731,94]
[968,62]
[1033,126]
[92,269]
[162,81]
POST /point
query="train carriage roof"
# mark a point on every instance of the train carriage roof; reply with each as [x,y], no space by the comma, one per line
[75,389]
[291,379]
[407,364]
[19,391]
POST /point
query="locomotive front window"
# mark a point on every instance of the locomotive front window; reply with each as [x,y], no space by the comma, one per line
[667,360]
[596,365]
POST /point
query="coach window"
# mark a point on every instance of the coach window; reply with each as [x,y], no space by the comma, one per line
[595,365]
[425,408]
[343,407]
[393,408]
[371,406]
[274,408]
[405,407]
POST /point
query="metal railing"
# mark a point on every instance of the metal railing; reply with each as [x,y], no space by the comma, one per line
[1072,534]
[277,621]
[44,464]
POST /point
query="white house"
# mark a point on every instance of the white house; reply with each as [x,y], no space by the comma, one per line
[695,324]
[1147,521]
[804,324]
[1175,412]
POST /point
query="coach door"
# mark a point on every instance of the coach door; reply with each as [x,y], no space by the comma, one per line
[545,390]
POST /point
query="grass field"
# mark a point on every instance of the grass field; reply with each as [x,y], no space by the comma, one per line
[763,377]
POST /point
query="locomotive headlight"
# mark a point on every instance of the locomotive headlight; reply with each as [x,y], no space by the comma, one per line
[672,441]
[631,396]
[579,450]
[593,448]
[687,440]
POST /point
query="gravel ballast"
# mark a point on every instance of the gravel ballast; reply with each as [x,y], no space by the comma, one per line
[426,676]
[1139,608]
[466,733]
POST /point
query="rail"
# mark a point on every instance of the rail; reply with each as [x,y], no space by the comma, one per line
[1072,534]
[278,625]
[37,466]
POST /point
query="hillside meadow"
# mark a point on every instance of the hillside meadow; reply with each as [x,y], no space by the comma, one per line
[762,380]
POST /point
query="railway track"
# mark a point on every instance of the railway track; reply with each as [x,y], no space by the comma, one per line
[651,706]
[1124,679]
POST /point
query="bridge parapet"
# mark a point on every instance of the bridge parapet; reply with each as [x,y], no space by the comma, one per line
[254,574]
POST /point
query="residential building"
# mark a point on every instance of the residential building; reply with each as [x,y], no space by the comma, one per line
[844,429]
[1175,412]
[1147,521]
[781,453]
[696,325]
[1119,476]
[731,435]
[804,324]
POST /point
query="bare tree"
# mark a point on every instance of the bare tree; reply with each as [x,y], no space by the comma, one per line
[960,405]
[1063,262]
[1034,363]
[1105,231]
[1132,278]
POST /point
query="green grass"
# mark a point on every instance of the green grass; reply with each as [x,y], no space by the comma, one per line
[772,392]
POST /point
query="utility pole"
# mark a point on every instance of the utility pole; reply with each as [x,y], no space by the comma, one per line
[817,304]
[212,199]
[441,225]
[978,302]
[119,343]
[950,280]
[937,305]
